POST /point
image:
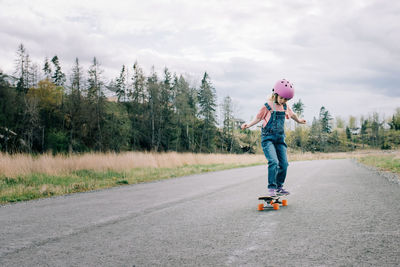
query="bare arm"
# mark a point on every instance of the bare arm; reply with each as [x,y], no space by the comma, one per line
[248,125]
[296,119]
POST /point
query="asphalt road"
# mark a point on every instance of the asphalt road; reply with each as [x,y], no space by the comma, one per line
[339,214]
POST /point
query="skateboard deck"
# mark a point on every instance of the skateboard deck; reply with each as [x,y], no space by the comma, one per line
[272,202]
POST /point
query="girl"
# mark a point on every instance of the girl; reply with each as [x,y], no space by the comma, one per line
[273,143]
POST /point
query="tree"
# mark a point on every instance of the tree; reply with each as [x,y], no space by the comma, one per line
[166,128]
[74,109]
[364,127]
[185,102]
[22,67]
[325,120]
[153,89]
[298,108]
[136,108]
[47,69]
[228,124]
[395,122]
[121,85]
[11,108]
[138,91]
[96,101]
[116,127]
[77,77]
[352,123]
[375,129]
[207,104]
[314,140]
[58,76]
[340,123]
[48,94]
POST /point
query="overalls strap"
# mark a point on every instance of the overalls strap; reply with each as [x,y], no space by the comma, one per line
[268,106]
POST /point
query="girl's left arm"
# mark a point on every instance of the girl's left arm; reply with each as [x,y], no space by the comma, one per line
[296,119]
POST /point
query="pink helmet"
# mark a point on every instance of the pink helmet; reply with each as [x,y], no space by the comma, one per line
[284,89]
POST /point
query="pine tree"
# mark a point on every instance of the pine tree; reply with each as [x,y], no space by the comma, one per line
[153,91]
[22,66]
[298,108]
[185,108]
[121,85]
[228,123]
[207,104]
[325,120]
[96,99]
[74,107]
[166,122]
[47,69]
[58,76]
[395,122]
[77,77]
[136,108]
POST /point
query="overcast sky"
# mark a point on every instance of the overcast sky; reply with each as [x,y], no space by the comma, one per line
[344,55]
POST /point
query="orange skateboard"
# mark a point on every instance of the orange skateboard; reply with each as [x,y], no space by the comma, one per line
[272,202]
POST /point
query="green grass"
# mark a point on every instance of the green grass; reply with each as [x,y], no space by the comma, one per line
[385,162]
[37,185]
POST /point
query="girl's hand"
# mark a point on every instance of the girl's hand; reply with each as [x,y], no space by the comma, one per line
[302,121]
[244,126]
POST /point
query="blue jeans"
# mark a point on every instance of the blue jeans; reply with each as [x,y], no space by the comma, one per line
[274,148]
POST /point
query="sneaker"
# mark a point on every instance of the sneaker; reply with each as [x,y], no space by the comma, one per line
[271,192]
[282,191]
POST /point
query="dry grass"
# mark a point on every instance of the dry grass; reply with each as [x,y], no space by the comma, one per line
[24,177]
[23,164]
[342,155]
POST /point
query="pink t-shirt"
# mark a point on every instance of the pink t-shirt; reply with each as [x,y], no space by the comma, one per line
[265,115]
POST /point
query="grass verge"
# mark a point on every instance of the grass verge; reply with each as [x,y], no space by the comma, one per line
[40,185]
[389,163]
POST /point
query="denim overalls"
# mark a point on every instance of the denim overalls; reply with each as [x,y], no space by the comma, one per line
[274,147]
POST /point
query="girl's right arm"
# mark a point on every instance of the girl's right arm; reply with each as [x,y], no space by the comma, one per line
[248,125]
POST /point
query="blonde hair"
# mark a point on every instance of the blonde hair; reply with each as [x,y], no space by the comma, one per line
[274,98]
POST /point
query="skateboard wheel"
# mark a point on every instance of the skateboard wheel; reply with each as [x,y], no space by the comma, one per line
[260,206]
[284,202]
[276,206]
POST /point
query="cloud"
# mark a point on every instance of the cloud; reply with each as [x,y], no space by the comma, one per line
[335,52]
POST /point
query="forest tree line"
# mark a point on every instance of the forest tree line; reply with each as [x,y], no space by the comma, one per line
[42,109]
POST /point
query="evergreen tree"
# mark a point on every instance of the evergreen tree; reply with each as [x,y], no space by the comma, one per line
[228,124]
[325,120]
[395,122]
[121,85]
[11,108]
[185,108]
[207,104]
[136,109]
[58,76]
[314,140]
[298,108]
[96,102]
[47,69]
[364,127]
[348,133]
[77,77]
[138,93]
[153,90]
[74,108]
[376,125]
[22,64]
[166,122]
